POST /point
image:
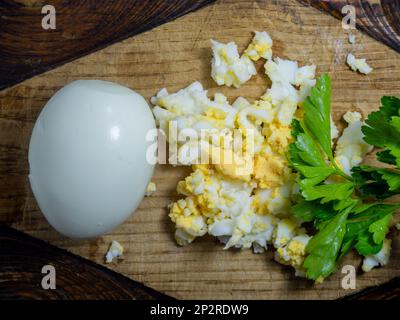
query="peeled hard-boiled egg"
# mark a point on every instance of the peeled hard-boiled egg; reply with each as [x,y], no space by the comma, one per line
[87,157]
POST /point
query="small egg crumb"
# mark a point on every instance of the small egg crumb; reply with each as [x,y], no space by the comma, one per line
[294,253]
[351,147]
[260,46]
[151,188]
[358,64]
[352,38]
[115,251]
[379,259]
[227,67]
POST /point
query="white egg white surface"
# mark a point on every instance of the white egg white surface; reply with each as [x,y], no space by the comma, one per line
[87,157]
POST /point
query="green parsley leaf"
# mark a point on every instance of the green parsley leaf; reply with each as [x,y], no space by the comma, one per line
[382,130]
[361,220]
[347,245]
[323,248]
[365,244]
[296,128]
[380,228]
[366,228]
[304,151]
[386,157]
[312,210]
[317,113]
[328,192]
[392,178]
[304,211]
[345,203]
[312,146]
[343,221]
[379,183]
[314,175]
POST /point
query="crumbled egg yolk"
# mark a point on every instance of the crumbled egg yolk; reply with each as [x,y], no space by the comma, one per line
[151,188]
[245,202]
[293,253]
[260,46]
[268,171]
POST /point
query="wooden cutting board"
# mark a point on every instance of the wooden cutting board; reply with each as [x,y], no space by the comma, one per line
[173,55]
[24,257]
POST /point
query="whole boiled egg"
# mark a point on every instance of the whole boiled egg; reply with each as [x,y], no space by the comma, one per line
[87,157]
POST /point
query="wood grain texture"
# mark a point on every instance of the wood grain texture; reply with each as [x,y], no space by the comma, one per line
[82,26]
[387,291]
[173,55]
[378,18]
[23,257]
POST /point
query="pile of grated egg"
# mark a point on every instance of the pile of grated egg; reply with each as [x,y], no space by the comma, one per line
[249,209]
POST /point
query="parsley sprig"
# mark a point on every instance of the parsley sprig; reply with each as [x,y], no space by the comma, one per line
[341,208]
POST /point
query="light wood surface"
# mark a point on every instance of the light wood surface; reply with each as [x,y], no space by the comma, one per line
[173,56]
